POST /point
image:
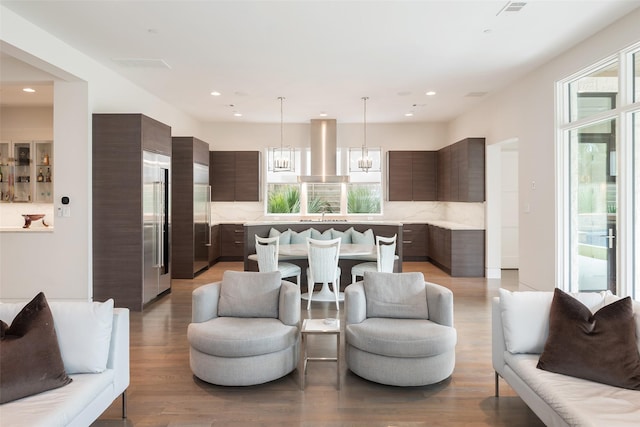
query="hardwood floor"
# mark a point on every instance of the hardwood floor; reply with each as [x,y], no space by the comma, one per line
[164,392]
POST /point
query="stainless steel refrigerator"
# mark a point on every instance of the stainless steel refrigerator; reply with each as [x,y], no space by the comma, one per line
[156,224]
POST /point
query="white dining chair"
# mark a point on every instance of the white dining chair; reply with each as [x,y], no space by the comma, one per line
[385,258]
[323,266]
[268,250]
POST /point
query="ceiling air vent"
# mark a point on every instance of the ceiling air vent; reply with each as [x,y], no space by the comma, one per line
[141,63]
[512,6]
[475,94]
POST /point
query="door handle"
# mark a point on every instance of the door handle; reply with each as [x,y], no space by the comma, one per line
[609,238]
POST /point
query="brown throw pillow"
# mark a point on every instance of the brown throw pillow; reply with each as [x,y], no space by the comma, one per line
[599,347]
[31,361]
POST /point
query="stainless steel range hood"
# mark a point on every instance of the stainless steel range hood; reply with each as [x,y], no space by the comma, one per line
[323,153]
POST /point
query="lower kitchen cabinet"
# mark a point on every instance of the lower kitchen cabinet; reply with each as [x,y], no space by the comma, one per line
[214,249]
[414,242]
[460,253]
[231,242]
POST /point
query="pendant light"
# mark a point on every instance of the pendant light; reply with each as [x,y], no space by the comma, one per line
[283,158]
[365,162]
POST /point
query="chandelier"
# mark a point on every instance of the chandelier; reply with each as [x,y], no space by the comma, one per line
[283,157]
[365,162]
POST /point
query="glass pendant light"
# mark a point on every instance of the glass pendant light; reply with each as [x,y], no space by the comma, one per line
[365,162]
[283,157]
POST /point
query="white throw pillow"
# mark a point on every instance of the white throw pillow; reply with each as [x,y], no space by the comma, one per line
[525,320]
[364,238]
[284,237]
[525,316]
[83,330]
[84,334]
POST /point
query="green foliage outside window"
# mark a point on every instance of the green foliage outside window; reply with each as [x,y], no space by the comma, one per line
[363,199]
[283,198]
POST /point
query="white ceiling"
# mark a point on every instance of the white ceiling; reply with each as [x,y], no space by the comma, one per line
[323,56]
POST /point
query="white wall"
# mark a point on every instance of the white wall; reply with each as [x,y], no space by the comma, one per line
[526,111]
[59,263]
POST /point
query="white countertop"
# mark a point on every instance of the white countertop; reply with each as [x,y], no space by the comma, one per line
[19,229]
[444,224]
[453,225]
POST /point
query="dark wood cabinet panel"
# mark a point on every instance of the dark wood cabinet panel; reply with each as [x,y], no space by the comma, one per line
[231,242]
[214,249]
[472,170]
[189,252]
[444,173]
[119,141]
[400,177]
[222,175]
[412,175]
[467,253]
[414,242]
[461,171]
[247,179]
[234,176]
[458,252]
[424,168]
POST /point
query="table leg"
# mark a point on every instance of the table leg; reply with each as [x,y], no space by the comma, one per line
[338,358]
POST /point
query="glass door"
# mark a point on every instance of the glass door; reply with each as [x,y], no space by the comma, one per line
[594,195]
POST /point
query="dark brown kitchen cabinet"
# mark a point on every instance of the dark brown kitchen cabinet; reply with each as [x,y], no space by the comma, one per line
[190,194]
[231,242]
[414,242]
[214,249]
[461,171]
[412,175]
[458,252]
[234,176]
[131,158]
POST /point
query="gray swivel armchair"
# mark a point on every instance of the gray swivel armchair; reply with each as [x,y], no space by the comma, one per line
[244,329]
[399,329]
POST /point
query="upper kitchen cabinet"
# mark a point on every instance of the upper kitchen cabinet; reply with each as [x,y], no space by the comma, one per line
[412,175]
[234,176]
[191,207]
[461,171]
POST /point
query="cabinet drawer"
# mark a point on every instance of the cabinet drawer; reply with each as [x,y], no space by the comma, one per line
[232,241]
[414,242]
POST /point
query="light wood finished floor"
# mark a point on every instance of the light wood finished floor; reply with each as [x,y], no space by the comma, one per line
[164,392]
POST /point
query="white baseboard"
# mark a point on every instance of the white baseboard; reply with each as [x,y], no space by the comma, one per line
[493,273]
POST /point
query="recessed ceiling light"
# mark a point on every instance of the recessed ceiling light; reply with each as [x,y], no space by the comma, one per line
[237,114]
[430,93]
[408,114]
[216,93]
[29,90]
[323,114]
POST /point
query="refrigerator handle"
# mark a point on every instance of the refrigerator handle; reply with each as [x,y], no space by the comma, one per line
[208,215]
[157,207]
[161,222]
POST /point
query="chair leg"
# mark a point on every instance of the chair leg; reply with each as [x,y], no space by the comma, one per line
[124,404]
[497,392]
[336,287]
[353,278]
[298,280]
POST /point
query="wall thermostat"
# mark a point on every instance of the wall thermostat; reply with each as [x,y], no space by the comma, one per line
[65,200]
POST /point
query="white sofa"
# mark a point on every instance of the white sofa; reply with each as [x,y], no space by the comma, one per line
[558,400]
[92,337]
